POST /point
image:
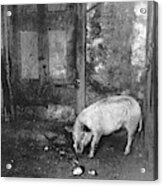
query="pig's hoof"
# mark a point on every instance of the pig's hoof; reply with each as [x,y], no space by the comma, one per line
[90,156]
[126,152]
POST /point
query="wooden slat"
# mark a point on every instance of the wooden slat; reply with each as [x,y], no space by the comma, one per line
[43,45]
[8,70]
[151,123]
[81,55]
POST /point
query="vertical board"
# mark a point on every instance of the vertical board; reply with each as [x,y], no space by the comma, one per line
[151,114]
[57,55]
[7,27]
[81,55]
[29,55]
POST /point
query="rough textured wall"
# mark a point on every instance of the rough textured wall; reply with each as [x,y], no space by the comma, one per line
[138,46]
[115,49]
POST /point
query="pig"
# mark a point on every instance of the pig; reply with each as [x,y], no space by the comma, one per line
[105,117]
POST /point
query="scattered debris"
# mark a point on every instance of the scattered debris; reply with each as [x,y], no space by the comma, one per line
[8,166]
[92,172]
[46,148]
[50,135]
[78,171]
[142,170]
[12,161]
[62,152]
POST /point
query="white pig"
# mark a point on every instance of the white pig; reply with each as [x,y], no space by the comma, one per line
[103,118]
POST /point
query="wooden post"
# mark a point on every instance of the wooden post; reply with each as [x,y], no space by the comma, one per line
[6,47]
[81,54]
[151,118]
[43,48]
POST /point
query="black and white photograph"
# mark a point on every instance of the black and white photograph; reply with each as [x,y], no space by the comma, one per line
[79,90]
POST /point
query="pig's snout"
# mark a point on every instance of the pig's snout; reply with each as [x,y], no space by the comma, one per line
[78,148]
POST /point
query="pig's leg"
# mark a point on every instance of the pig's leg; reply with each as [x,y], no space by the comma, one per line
[131,129]
[94,143]
[129,143]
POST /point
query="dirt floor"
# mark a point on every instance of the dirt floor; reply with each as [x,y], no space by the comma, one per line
[44,150]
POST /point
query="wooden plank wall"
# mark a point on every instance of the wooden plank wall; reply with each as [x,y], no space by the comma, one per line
[7,89]
[37,19]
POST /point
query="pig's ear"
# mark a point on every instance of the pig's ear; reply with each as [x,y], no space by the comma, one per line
[86,129]
[69,129]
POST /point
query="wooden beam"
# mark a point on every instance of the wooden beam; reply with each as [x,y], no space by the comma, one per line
[7,65]
[151,108]
[43,45]
[81,55]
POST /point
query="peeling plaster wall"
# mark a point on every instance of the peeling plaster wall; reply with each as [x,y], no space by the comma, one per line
[116,49]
